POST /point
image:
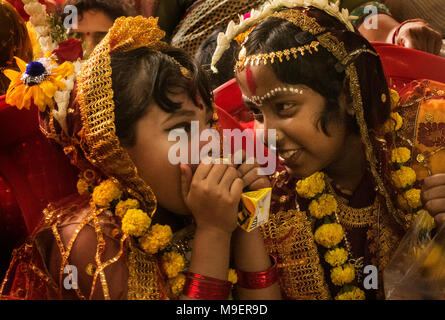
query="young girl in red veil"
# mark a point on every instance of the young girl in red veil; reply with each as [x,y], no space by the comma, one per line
[139,227]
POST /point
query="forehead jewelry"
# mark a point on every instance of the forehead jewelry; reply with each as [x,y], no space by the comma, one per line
[272,57]
[258,100]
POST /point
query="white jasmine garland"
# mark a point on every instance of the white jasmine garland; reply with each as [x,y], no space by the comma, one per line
[62,97]
[38,18]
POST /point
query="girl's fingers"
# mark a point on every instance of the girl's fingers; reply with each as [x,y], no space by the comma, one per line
[203,171]
[229,176]
[434,193]
[248,166]
[216,173]
[434,181]
[435,206]
[237,188]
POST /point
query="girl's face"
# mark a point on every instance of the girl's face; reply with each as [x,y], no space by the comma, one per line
[293,111]
[150,152]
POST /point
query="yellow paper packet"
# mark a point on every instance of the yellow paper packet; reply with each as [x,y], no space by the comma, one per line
[255,212]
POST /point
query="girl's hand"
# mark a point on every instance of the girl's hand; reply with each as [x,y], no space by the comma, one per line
[433,197]
[250,175]
[420,36]
[212,194]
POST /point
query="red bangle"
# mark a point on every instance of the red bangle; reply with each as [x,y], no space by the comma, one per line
[206,288]
[396,32]
[258,280]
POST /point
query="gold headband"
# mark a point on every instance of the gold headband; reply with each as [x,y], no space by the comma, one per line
[271,57]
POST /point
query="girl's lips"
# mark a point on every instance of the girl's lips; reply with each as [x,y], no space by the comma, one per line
[290,157]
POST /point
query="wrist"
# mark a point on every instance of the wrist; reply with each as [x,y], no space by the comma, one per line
[212,233]
[397,29]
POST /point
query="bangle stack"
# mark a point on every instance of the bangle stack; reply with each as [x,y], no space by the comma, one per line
[258,280]
[206,288]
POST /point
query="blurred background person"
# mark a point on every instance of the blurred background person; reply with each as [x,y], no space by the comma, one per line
[95,17]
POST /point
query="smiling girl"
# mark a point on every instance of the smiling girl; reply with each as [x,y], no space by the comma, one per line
[348,192]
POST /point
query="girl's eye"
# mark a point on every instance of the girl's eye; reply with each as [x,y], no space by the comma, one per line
[186,126]
[256,113]
[285,106]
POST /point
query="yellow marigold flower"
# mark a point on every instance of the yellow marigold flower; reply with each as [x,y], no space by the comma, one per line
[400,155]
[177,284]
[82,187]
[311,186]
[394,122]
[172,263]
[232,277]
[336,257]
[325,205]
[156,239]
[404,177]
[402,202]
[412,196]
[329,235]
[354,294]
[342,274]
[106,192]
[123,206]
[135,222]
[395,98]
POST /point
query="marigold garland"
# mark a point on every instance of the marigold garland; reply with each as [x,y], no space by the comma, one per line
[135,222]
[311,186]
[342,274]
[400,155]
[336,257]
[176,284]
[353,294]
[404,177]
[394,123]
[329,235]
[172,263]
[106,192]
[325,205]
[156,239]
[123,206]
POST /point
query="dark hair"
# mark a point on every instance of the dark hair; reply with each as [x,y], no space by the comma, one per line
[225,65]
[318,70]
[112,8]
[143,76]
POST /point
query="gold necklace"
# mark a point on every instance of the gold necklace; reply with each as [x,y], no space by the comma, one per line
[354,217]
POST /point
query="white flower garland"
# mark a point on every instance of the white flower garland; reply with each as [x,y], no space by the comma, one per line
[39,20]
[224,39]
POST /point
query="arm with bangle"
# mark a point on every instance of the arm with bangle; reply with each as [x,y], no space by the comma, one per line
[256,269]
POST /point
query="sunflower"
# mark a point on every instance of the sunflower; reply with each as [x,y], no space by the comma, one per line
[37,81]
